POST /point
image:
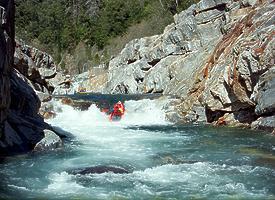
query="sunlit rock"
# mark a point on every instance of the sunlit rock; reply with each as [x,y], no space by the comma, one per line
[50,141]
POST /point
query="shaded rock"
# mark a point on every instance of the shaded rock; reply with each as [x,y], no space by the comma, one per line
[50,141]
[100,170]
[21,127]
[28,103]
[7,10]
[33,59]
[61,133]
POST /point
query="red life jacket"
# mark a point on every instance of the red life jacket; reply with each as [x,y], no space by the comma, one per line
[118,110]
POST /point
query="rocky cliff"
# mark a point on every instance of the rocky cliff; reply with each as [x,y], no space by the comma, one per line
[21,125]
[217,57]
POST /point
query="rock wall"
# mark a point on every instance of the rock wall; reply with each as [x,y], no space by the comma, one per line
[217,57]
[6,58]
[38,67]
[21,125]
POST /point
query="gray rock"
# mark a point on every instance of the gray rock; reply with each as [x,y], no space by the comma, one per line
[265,97]
[35,65]
[212,56]
[50,141]
[264,123]
[247,3]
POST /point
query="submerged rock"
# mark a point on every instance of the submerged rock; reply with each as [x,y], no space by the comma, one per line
[100,170]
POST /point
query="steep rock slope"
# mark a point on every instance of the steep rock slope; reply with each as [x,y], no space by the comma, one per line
[21,125]
[218,57]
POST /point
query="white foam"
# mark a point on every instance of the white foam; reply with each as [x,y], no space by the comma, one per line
[143,112]
[19,187]
[63,183]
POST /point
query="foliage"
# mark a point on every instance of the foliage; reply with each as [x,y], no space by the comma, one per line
[60,25]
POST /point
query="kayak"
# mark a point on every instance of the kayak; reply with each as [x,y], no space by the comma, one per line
[115,118]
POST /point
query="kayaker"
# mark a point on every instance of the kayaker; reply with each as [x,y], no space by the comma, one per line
[118,111]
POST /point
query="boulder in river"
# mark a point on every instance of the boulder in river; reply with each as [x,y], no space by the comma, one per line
[100,170]
[50,141]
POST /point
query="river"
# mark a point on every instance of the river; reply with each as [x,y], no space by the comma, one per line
[164,160]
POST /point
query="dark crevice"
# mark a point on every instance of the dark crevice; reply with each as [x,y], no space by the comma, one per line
[245,115]
[213,115]
[220,7]
[139,80]
[158,92]
[145,69]
[268,113]
[243,84]
[170,76]
[131,61]
[149,91]
[154,62]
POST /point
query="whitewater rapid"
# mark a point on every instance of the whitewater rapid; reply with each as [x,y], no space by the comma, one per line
[164,160]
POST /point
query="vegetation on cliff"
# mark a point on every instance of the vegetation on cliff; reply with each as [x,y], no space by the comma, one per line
[58,26]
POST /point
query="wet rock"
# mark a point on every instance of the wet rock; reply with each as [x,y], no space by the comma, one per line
[100,170]
[61,133]
[264,123]
[51,141]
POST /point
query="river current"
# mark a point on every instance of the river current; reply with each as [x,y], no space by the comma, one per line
[164,160]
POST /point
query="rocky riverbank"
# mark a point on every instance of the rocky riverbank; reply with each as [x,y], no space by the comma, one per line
[217,56]
[23,84]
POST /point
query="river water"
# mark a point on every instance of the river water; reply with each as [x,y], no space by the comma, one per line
[165,161]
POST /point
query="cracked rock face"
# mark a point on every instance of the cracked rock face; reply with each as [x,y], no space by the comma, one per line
[36,66]
[217,55]
[21,127]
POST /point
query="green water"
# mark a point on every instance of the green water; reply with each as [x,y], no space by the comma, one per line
[165,161]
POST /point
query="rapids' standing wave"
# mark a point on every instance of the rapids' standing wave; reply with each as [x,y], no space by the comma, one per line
[164,160]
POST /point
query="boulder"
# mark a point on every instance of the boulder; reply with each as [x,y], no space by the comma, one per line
[51,141]
[264,123]
[100,170]
[265,95]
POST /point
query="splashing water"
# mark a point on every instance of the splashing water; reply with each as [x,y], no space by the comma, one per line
[164,160]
